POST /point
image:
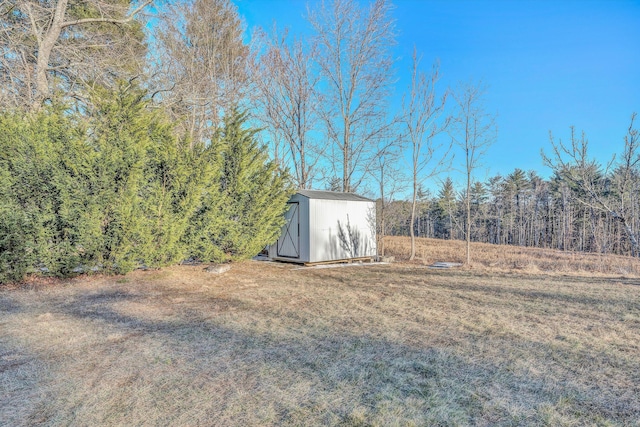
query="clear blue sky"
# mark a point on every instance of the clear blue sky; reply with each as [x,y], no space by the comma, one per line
[547,64]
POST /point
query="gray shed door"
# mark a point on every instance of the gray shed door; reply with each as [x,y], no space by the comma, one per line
[289,242]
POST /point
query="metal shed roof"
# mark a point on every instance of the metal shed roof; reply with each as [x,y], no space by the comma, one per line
[332,195]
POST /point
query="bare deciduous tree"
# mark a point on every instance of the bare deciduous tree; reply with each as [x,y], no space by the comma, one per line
[353,52]
[286,87]
[47,44]
[422,118]
[389,178]
[572,163]
[202,70]
[584,206]
[473,131]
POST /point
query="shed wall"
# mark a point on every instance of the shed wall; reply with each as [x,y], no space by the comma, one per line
[305,255]
[341,229]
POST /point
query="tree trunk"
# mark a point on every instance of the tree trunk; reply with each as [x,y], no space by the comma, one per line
[345,157]
[412,222]
[45,47]
[382,217]
[635,248]
[468,201]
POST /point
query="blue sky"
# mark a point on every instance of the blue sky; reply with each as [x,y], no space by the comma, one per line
[547,65]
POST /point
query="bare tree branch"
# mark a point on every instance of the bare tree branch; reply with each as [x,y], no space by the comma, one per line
[573,164]
[473,131]
[108,20]
[353,53]
[423,121]
[203,58]
[60,44]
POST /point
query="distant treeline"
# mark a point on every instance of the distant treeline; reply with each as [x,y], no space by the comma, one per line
[525,210]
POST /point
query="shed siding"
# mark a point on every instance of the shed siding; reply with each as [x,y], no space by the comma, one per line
[304,229]
[328,217]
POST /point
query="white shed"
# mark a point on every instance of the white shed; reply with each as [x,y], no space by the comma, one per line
[325,226]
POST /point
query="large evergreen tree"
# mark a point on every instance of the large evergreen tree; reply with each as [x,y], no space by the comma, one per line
[253,192]
[147,182]
[54,49]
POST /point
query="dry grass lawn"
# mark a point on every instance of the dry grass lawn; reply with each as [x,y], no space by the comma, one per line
[505,258]
[266,344]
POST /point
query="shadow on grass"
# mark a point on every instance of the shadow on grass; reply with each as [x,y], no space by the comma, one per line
[527,294]
[8,306]
[21,373]
[351,379]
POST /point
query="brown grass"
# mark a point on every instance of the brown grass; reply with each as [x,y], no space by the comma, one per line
[506,258]
[266,344]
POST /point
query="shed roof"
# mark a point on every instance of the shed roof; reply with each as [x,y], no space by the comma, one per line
[332,195]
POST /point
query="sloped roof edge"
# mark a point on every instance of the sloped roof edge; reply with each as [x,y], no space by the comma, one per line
[332,195]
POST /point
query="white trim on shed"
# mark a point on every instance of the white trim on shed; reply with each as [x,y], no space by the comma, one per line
[325,226]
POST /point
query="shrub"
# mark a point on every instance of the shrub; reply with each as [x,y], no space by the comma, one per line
[116,188]
[244,206]
[15,249]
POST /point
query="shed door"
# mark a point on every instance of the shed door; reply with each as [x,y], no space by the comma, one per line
[289,242]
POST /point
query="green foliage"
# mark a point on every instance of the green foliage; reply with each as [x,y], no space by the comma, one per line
[252,194]
[15,251]
[447,197]
[116,189]
[37,182]
[121,140]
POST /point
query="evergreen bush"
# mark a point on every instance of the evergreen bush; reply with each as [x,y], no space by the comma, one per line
[114,188]
[244,206]
[16,253]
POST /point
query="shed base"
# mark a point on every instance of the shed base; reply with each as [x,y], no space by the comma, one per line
[341,261]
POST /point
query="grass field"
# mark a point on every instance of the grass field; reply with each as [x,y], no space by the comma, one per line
[505,258]
[266,344]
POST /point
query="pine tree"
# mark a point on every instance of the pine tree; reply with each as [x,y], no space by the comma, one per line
[253,195]
[148,184]
[42,162]
[447,206]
